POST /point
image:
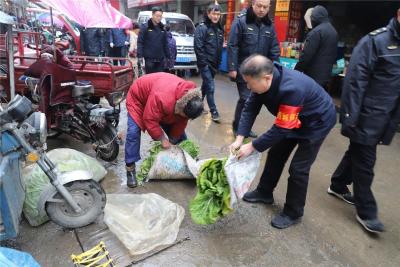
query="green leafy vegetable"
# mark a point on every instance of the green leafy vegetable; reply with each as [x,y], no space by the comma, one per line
[189,146]
[213,197]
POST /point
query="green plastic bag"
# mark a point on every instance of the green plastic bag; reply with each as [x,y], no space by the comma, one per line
[36,180]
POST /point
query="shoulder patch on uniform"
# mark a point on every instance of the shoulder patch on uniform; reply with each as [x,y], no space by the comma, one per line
[378,31]
[241,15]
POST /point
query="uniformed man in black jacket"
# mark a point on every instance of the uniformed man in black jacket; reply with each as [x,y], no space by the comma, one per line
[92,42]
[320,48]
[370,114]
[152,44]
[208,41]
[304,114]
[252,33]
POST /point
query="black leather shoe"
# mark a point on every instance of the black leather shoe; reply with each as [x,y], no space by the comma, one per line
[373,225]
[131,176]
[258,196]
[283,221]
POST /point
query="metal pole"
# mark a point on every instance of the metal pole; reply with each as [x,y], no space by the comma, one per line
[52,33]
[11,73]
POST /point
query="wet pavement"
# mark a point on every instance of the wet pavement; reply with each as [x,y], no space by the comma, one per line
[328,235]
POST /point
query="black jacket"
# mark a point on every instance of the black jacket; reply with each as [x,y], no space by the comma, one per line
[152,42]
[302,108]
[248,36]
[370,107]
[208,41]
[320,48]
[92,41]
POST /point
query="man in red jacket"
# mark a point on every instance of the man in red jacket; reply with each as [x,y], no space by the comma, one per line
[161,104]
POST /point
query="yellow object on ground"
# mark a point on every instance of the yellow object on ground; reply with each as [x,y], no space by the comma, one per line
[97,256]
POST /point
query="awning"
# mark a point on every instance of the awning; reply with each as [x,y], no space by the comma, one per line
[91,13]
[139,3]
[6,19]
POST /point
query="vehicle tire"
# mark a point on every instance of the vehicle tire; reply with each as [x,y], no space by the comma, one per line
[105,136]
[89,195]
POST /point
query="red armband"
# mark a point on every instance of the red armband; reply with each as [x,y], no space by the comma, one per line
[288,117]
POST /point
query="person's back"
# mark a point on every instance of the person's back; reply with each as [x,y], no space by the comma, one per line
[167,88]
[316,106]
[320,48]
[298,91]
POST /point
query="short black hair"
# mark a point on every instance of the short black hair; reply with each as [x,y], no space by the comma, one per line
[194,108]
[213,7]
[155,9]
[256,65]
[135,26]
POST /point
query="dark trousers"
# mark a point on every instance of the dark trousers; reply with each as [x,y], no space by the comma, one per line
[244,93]
[208,86]
[119,51]
[152,66]
[133,136]
[299,171]
[357,167]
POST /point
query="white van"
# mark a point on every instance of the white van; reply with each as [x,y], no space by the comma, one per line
[182,30]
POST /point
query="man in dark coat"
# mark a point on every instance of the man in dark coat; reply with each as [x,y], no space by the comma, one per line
[252,33]
[208,41]
[370,114]
[153,43]
[320,48]
[92,42]
[119,40]
[304,114]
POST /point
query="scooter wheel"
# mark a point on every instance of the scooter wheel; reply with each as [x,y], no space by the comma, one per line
[89,195]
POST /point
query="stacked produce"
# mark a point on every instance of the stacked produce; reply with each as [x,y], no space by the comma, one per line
[213,197]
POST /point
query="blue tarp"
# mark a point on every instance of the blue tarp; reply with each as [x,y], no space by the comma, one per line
[14,258]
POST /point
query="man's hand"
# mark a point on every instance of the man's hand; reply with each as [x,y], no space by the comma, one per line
[232,74]
[126,43]
[165,143]
[245,150]
[111,45]
[236,145]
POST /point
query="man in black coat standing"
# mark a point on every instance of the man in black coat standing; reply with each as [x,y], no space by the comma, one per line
[252,33]
[92,42]
[370,114]
[208,41]
[320,48]
[152,44]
